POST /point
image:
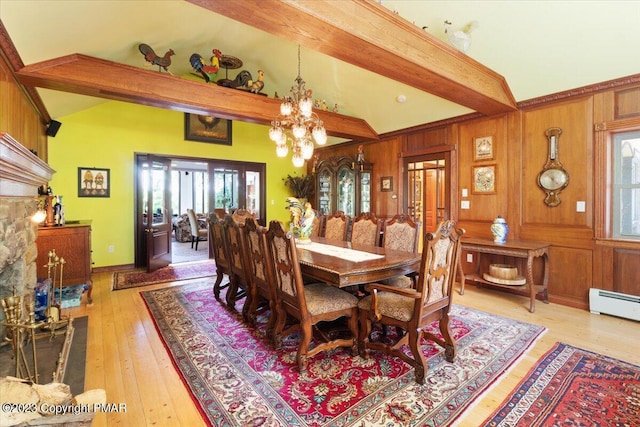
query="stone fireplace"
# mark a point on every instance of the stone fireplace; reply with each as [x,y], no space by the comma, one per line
[21,173]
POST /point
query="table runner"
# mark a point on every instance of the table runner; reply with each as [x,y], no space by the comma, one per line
[345,253]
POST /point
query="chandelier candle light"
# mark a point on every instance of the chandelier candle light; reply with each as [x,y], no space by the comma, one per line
[297,123]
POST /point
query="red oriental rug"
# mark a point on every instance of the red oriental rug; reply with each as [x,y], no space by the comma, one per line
[237,379]
[570,386]
[172,273]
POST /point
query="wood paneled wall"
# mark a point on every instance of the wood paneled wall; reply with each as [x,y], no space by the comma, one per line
[580,257]
[18,117]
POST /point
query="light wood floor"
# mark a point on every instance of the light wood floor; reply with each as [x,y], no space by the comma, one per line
[126,357]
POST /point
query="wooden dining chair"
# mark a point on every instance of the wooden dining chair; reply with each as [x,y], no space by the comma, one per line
[401,233]
[366,229]
[308,304]
[261,293]
[197,234]
[237,261]
[218,247]
[413,310]
[336,226]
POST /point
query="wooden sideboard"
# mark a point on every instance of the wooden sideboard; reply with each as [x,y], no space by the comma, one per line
[516,249]
[73,243]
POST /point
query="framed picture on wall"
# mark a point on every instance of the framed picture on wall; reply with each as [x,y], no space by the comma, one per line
[207,129]
[94,182]
[483,148]
[386,183]
[484,179]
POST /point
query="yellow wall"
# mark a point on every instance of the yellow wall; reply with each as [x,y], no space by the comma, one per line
[108,135]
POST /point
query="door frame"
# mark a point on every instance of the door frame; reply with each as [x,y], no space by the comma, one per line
[446,152]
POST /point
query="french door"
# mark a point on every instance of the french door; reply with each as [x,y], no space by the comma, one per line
[238,185]
[427,189]
[154,210]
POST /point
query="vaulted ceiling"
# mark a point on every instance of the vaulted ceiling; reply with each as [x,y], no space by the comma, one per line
[354,54]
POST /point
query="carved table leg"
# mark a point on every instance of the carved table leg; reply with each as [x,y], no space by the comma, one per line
[461,275]
[532,285]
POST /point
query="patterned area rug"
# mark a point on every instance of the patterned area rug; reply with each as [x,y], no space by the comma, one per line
[172,273]
[570,386]
[237,379]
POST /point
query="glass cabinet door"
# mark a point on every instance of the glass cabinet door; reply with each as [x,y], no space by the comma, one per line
[346,191]
[365,191]
[325,192]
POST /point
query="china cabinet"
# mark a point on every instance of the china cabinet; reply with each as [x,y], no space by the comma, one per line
[342,184]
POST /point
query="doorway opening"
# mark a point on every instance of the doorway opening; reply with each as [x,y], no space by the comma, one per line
[168,186]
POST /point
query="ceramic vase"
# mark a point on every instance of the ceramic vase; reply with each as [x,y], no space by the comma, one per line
[499,229]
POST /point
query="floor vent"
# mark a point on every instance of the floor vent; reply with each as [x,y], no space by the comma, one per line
[614,303]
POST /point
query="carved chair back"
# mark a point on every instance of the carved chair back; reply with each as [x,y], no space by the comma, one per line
[401,233]
[366,229]
[218,248]
[261,287]
[336,226]
[237,260]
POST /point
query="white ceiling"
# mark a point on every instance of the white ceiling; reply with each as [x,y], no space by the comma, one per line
[540,47]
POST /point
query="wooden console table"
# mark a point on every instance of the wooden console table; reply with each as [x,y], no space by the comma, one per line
[514,248]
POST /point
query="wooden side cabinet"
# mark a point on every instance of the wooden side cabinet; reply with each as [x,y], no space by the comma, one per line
[73,243]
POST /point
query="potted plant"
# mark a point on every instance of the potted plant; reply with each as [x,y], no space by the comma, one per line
[301,186]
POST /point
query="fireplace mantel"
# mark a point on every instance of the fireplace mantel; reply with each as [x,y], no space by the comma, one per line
[21,171]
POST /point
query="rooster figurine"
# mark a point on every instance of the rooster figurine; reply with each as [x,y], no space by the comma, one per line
[302,217]
[153,59]
[240,82]
[256,86]
[208,72]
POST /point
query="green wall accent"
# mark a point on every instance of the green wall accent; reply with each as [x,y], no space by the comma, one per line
[108,135]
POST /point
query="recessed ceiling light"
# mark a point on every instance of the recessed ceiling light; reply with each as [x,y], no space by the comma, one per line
[401,99]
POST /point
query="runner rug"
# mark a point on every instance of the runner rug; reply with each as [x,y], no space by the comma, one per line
[570,386]
[172,273]
[237,379]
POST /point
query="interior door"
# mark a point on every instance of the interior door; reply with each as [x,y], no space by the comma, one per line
[156,211]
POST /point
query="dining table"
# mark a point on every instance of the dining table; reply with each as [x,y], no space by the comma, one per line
[343,264]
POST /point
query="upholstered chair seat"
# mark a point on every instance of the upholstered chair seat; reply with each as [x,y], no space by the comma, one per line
[322,298]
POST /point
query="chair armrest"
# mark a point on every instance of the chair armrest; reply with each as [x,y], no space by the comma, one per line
[407,292]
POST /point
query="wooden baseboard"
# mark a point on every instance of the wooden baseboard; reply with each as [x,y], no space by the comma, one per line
[113,268]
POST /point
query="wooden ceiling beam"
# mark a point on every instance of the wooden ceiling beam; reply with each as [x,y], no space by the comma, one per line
[372,37]
[86,75]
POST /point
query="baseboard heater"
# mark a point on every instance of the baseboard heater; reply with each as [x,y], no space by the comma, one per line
[614,303]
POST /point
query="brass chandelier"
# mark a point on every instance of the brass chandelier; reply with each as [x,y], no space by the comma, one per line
[297,125]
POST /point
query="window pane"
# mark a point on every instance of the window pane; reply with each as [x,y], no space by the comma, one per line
[175,192]
[253,193]
[626,187]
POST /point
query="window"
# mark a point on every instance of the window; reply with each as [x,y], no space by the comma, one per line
[626,185]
